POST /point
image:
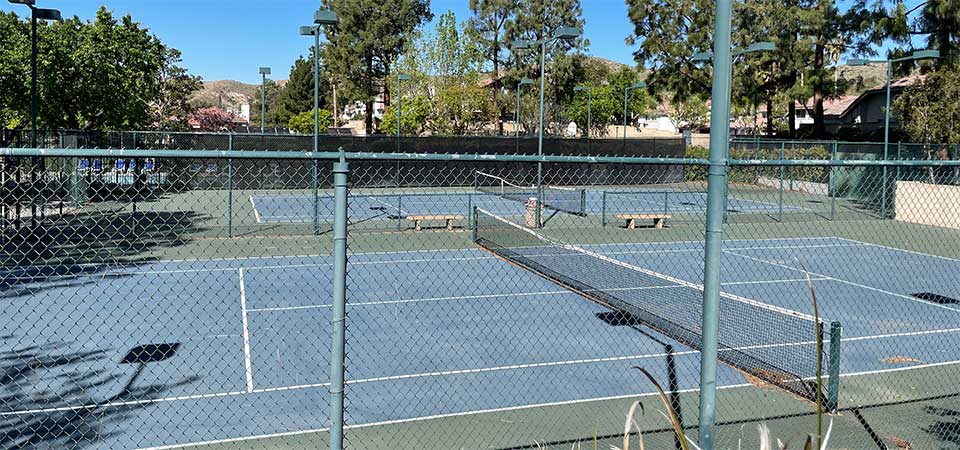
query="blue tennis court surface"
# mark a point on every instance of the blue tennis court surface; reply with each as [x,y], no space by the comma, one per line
[254,333]
[304,207]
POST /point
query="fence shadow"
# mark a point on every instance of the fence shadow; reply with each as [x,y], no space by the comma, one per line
[67,247]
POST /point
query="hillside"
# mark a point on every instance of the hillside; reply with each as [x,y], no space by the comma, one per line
[232,93]
[863,77]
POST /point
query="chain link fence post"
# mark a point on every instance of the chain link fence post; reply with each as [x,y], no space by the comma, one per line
[341,172]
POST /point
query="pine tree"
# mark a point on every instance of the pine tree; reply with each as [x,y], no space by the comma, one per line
[369,38]
[487,28]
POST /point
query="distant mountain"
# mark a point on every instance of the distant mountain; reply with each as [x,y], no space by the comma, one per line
[613,65]
[863,77]
[228,93]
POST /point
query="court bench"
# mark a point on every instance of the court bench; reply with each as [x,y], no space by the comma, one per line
[658,219]
[448,218]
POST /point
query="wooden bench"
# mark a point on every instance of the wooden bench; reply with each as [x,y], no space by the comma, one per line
[449,218]
[658,219]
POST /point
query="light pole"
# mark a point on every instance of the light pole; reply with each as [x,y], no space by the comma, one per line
[589,91]
[713,236]
[626,96]
[915,56]
[755,47]
[320,18]
[35,15]
[516,119]
[264,71]
[563,33]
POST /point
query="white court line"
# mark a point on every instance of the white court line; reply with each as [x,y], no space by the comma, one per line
[851,283]
[247,360]
[256,214]
[870,244]
[514,408]
[481,370]
[389,206]
[439,250]
[396,261]
[512,295]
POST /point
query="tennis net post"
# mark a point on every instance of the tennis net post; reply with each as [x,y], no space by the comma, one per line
[833,370]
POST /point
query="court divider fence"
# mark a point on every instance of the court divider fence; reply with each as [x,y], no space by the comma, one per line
[369,317]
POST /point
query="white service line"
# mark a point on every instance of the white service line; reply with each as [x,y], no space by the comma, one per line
[870,244]
[256,214]
[513,295]
[490,369]
[247,360]
[851,283]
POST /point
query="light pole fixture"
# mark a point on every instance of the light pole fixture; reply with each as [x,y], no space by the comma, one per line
[626,97]
[516,121]
[36,14]
[763,46]
[915,56]
[589,91]
[562,33]
[264,71]
[320,18]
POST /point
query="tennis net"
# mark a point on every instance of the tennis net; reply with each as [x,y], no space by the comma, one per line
[566,199]
[776,346]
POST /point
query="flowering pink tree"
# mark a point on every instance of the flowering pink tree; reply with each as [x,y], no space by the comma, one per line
[212,119]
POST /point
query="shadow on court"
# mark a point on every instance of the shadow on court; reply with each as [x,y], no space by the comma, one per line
[57,397]
[69,246]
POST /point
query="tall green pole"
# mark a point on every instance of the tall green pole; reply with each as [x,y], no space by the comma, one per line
[337,322]
[34,162]
[33,77]
[263,101]
[516,117]
[316,89]
[716,182]
[589,101]
[626,94]
[543,62]
[886,144]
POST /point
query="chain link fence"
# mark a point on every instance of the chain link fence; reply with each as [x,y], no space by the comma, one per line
[187,299]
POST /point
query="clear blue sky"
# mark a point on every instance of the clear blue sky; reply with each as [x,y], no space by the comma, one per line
[230,39]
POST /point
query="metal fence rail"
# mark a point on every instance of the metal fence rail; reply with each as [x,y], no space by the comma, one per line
[285,299]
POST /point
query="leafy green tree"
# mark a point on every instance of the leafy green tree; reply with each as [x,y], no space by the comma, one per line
[929,110]
[274,91]
[487,29]
[369,38]
[536,20]
[303,122]
[690,113]
[14,79]
[414,116]
[173,107]
[606,106]
[104,73]
[443,63]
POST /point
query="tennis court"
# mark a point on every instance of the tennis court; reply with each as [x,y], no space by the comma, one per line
[301,207]
[452,325]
